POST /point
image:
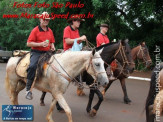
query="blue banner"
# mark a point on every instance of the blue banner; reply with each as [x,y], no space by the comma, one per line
[17,112]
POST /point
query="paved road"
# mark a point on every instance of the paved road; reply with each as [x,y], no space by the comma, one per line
[112,109]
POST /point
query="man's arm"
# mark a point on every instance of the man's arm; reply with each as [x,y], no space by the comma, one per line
[52,47]
[35,44]
[80,39]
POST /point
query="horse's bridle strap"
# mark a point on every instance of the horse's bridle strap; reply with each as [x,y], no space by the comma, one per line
[95,83]
[144,58]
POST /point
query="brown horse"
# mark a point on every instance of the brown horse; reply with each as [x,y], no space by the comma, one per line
[141,54]
[154,102]
[138,53]
[61,70]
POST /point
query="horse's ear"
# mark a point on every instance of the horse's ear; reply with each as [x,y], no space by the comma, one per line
[126,40]
[93,52]
[120,41]
[142,43]
[100,51]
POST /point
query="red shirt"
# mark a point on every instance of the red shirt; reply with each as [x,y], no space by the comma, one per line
[39,35]
[101,39]
[69,32]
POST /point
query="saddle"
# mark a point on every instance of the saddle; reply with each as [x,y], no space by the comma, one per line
[21,68]
[19,53]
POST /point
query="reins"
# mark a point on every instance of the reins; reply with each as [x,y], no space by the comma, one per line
[68,77]
[89,44]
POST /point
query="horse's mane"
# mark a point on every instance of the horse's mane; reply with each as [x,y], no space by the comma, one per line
[105,45]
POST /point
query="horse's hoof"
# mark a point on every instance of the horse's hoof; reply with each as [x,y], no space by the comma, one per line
[127,101]
[92,113]
[88,110]
[80,92]
[42,104]
[49,120]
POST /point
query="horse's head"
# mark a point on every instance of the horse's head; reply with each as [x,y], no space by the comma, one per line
[143,54]
[95,67]
[123,55]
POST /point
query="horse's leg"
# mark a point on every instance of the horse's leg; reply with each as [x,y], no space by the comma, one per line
[15,88]
[42,99]
[13,97]
[106,88]
[80,91]
[21,85]
[91,96]
[96,107]
[61,100]
[126,99]
[49,115]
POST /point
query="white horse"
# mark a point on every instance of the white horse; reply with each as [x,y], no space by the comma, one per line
[63,67]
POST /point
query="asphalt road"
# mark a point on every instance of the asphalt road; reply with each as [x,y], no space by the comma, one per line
[112,109]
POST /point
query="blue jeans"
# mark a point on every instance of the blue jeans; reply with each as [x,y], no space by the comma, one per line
[31,71]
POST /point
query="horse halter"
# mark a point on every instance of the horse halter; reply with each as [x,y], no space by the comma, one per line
[143,56]
[95,83]
[124,57]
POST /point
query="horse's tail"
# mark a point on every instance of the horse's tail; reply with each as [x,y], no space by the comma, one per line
[7,84]
[152,91]
[151,94]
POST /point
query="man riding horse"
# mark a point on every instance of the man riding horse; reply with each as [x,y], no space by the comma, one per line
[71,33]
[40,40]
[102,39]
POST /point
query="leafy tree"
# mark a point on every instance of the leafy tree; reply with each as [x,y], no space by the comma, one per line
[137,20]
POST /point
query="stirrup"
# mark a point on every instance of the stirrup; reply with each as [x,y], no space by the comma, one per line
[29,95]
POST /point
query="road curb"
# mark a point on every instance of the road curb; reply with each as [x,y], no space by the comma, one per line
[139,78]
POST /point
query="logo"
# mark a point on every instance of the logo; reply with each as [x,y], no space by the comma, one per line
[17,112]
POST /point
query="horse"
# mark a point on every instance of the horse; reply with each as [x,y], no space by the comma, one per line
[139,52]
[154,101]
[61,70]
[115,50]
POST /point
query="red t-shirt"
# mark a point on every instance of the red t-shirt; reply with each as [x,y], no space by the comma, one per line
[69,32]
[39,35]
[101,39]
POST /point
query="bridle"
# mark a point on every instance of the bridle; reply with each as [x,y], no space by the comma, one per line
[95,83]
[121,50]
[141,50]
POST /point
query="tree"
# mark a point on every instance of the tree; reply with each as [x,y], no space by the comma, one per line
[137,20]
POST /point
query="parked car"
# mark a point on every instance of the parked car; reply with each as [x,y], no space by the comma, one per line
[4,54]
